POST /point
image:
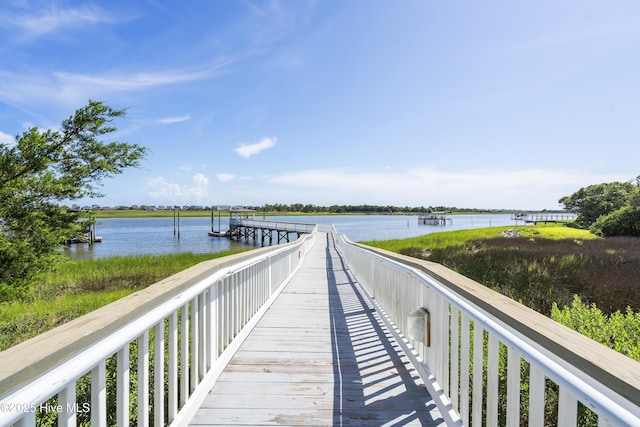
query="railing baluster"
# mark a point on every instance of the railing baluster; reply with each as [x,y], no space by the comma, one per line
[158,374]
[98,395]
[221,317]
[478,374]
[444,344]
[536,396]
[172,368]
[226,320]
[122,386]
[465,354]
[194,351]
[202,336]
[513,387]
[28,420]
[143,379]
[184,355]
[567,408]
[212,321]
[455,358]
[492,380]
[67,401]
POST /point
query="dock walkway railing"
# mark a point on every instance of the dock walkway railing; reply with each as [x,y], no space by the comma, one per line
[294,227]
[458,334]
[151,357]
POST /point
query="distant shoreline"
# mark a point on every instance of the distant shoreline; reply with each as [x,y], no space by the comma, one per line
[144,213]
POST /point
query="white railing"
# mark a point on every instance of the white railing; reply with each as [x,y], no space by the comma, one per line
[476,349]
[152,357]
[294,227]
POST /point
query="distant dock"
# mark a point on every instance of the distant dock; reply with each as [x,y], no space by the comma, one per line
[242,225]
[530,218]
[88,236]
[434,218]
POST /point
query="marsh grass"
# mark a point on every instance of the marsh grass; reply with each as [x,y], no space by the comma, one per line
[76,288]
[543,265]
[453,238]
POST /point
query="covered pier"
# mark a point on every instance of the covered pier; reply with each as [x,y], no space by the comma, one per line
[243,225]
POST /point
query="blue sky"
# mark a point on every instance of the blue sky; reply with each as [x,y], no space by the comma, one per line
[492,104]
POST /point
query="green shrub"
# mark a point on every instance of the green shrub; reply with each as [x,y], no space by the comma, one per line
[623,222]
[619,331]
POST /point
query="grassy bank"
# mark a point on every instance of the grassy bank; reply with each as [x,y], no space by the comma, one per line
[415,245]
[78,287]
[538,265]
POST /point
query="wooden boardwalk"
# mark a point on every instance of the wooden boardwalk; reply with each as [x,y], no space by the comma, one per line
[320,356]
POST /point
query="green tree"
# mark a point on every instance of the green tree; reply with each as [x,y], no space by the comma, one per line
[42,170]
[623,222]
[594,201]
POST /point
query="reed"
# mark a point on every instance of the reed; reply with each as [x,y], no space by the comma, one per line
[454,238]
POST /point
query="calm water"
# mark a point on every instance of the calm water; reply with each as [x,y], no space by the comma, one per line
[136,236]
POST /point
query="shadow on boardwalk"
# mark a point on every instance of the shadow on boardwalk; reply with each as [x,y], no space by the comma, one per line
[374,382]
[319,356]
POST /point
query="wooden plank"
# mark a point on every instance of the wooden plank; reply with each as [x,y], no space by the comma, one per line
[320,356]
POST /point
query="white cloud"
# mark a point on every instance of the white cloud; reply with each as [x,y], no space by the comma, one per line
[170,120]
[248,150]
[6,139]
[516,189]
[47,21]
[225,177]
[72,89]
[166,191]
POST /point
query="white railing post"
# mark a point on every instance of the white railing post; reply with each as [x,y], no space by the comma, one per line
[158,374]
[195,344]
[465,355]
[122,386]
[567,408]
[184,354]
[143,379]
[478,373]
[454,375]
[172,367]
[513,387]
[492,380]
[202,336]
[212,322]
[67,401]
[536,396]
[98,395]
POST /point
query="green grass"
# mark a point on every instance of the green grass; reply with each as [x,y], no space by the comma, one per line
[446,239]
[21,321]
[76,288]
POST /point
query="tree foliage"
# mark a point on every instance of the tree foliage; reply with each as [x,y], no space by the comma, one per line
[623,222]
[591,202]
[608,209]
[42,170]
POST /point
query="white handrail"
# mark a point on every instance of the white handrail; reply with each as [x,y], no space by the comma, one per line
[216,312]
[300,227]
[398,289]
